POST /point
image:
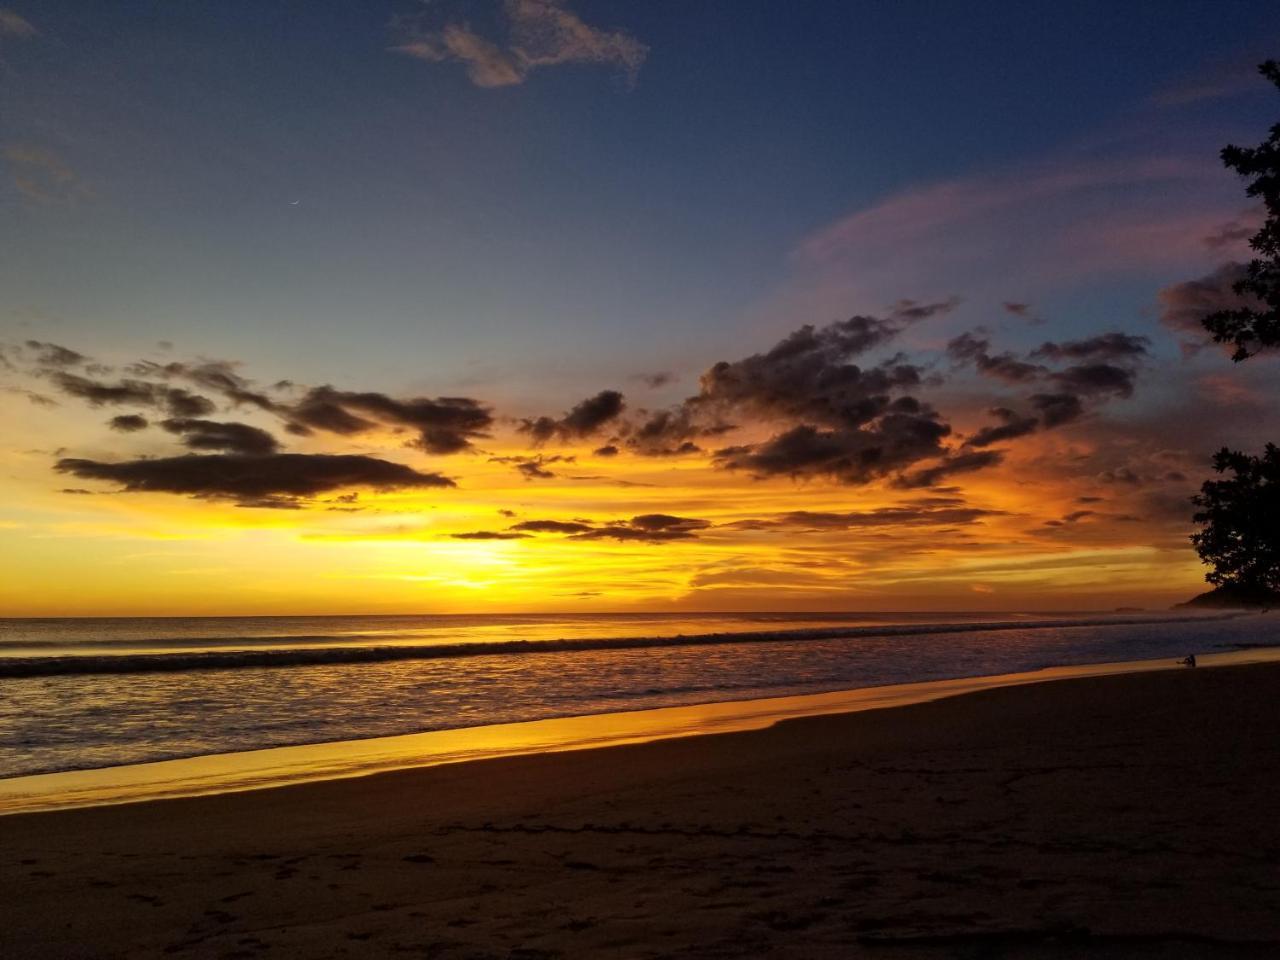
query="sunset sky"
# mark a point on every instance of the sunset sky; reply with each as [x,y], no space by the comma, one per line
[525,305]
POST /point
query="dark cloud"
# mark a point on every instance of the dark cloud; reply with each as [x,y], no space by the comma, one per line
[1093,379]
[893,442]
[218,376]
[593,413]
[1008,368]
[846,421]
[968,347]
[345,503]
[553,526]
[97,394]
[275,480]
[317,411]
[975,349]
[1107,367]
[685,449]
[583,420]
[489,535]
[808,376]
[913,311]
[1056,409]
[1115,347]
[1183,306]
[540,429]
[1012,425]
[53,355]
[609,450]
[670,433]
[129,392]
[665,521]
[231,437]
[444,425]
[128,423]
[649,527]
[535,467]
[915,515]
[655,380]
[1017,309]
[952,465]
[533,470]
[183,403]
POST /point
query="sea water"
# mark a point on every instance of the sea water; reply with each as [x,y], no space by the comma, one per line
[85,693]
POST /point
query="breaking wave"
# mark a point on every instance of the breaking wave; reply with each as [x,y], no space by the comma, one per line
[300,656]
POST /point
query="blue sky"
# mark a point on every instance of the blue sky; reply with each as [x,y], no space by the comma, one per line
[488,231]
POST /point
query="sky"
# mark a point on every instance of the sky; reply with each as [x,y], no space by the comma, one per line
[577,305]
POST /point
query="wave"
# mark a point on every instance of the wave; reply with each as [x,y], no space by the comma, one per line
[239,640]
[16,667]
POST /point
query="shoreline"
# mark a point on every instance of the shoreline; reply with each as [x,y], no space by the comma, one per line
[1113,816]
[279,767]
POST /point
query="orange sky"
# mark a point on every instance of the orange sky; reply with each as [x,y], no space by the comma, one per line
[1046,528]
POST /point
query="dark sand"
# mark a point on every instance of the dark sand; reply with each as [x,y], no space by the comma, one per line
[1131,816]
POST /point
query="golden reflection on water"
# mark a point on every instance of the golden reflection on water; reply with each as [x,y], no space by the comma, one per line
[256,769]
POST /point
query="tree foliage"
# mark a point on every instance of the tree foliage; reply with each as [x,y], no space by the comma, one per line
[1241,519]
[1254,329]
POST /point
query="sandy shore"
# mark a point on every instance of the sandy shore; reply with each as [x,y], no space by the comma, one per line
[1120,816]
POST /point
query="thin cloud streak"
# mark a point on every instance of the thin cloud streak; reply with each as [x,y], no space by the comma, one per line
[539,33]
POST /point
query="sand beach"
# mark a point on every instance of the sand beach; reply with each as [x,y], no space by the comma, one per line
[1117,816]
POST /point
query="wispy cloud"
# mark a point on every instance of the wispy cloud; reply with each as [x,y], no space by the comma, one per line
[984,202]
[1216,81]
[42,175]
[539,33]
[488,65]
[15,25]
[1183,306]
[1070,220]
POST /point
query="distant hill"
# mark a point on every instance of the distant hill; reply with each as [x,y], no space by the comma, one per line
[1235,596]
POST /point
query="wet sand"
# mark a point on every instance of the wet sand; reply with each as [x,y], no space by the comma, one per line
[1123,816]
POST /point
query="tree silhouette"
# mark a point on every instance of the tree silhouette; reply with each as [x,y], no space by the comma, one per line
[1240,515]
[1241,519]
[1249,329]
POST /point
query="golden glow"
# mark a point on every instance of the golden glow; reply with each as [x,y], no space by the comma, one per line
[115,553]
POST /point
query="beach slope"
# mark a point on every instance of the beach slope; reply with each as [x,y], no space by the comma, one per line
[1125,816]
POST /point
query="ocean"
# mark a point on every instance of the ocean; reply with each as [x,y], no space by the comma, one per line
[78,694]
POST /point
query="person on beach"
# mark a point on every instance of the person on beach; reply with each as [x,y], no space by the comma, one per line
[1189,660]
